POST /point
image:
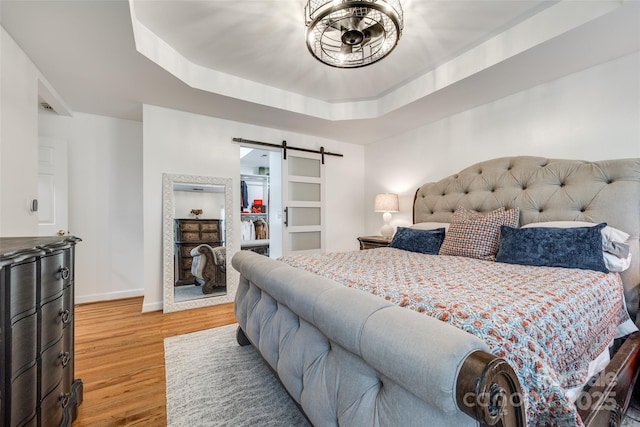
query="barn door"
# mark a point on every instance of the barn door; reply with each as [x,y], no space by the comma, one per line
[303,200]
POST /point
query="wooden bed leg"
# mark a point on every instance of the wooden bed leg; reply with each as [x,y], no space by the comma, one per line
[488,391]
[241,337]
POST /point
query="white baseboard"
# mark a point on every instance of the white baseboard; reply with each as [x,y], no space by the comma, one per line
[152,306]
[81,299]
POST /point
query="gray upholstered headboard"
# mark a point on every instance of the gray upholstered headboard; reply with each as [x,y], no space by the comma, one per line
[546,190]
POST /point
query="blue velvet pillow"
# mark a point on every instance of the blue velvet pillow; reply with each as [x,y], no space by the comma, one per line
[579,247]
[415,240]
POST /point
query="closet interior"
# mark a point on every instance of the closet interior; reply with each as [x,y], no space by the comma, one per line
[255,201]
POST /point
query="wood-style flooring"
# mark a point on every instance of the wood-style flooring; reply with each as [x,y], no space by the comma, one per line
[119,355]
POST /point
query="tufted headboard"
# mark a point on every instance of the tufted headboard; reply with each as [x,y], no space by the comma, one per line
[546,190]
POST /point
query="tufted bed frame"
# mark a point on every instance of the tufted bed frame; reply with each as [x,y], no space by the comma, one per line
[351,358]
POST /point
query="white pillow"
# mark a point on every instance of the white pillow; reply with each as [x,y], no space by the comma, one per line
[616,264]
[430,225]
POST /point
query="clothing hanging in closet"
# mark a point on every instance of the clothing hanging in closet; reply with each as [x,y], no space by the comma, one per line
[261,228]
[244,203]
[247,230]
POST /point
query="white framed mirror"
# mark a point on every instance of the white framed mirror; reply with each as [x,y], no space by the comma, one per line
[197,227]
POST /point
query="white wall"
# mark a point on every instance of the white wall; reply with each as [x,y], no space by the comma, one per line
[18,140]
[590,115]
[177,142]
[211,203]
[105,202]
[105,180]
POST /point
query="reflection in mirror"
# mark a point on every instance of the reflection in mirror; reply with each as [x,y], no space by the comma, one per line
[197,225]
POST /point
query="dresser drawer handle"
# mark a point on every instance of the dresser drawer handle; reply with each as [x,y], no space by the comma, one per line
[64,398]
[65,358]
[66,316]
[64,272]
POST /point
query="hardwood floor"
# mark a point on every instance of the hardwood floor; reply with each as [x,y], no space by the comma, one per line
[119,355]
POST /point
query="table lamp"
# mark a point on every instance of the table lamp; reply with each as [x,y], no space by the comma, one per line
[386,203]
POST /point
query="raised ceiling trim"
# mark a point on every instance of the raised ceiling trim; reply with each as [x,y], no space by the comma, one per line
[540,28]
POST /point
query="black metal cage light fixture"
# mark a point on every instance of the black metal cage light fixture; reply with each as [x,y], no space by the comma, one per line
[351,34]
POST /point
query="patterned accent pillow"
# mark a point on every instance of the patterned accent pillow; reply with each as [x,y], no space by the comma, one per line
[475,235]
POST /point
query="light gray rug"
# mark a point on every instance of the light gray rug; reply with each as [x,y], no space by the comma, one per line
[212,381]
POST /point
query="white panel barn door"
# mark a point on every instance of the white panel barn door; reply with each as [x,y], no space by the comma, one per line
[303,197]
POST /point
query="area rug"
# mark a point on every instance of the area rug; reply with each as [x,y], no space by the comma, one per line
[212,381]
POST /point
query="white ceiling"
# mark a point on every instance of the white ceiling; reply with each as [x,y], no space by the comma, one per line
[246,60]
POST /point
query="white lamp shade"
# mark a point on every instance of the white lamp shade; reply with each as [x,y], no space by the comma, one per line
[386,202]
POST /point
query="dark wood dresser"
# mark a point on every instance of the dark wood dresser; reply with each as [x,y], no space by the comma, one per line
[190,233]
[37,384]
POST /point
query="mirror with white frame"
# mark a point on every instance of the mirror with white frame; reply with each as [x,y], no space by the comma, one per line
[197,232]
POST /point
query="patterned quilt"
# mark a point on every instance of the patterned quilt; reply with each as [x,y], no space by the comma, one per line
[548,323]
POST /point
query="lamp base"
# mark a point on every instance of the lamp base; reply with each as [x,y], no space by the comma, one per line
[387,229]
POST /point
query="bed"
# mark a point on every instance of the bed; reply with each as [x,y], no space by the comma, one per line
[355,339]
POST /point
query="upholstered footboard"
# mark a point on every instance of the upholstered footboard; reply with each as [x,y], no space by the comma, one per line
[351,358]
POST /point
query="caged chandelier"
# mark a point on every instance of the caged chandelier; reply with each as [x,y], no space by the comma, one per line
[351,34]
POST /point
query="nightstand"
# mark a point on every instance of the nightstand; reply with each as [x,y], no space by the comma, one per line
[371,242]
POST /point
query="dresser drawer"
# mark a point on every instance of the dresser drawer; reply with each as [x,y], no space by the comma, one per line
[68,299]
[51,407]
[209,227]
[24,343]
[55,274]
[185,250]
[190,236]
[68,369]
[33,422]
[24,397]
[186,263]
[22,288]
[189,226]
[54,359]
[52,318]
[210,236]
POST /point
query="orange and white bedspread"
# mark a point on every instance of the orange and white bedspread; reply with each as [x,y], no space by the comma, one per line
[548,323]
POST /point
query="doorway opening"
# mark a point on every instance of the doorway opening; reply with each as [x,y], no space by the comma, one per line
[261,199]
